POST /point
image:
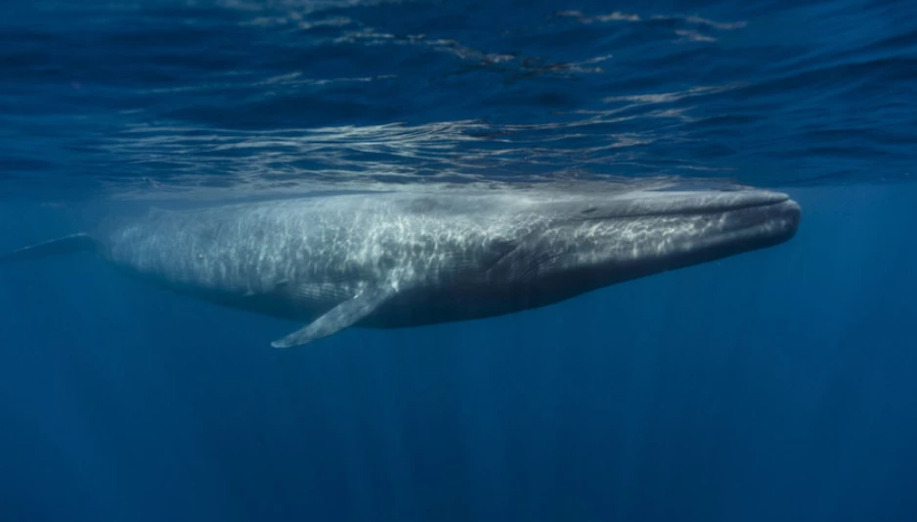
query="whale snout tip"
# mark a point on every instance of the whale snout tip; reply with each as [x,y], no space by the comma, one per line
[794,212]
[783,220]
[766,220]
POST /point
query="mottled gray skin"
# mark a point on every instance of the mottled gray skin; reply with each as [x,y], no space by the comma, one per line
[399,259]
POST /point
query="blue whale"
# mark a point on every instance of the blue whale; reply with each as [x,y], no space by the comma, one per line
[409,258]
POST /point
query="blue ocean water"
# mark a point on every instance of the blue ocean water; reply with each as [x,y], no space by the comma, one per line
[775,385]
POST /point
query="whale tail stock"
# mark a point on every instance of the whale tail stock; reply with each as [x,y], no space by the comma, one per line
[344,315]
[55,247]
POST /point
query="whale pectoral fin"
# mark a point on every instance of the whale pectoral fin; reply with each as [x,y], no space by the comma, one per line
[341,316]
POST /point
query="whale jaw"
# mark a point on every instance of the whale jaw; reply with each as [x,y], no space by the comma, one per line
[635,237]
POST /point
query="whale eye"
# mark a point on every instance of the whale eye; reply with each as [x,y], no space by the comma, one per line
[590,210]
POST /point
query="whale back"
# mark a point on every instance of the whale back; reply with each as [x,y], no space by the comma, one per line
[313,253]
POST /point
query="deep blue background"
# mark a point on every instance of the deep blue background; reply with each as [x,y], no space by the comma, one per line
[776,385]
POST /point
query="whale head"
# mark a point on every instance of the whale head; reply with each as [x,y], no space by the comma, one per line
[598,240]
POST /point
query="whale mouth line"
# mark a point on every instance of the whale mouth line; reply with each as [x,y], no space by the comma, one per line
[721,208]
[772,210]
[768,222]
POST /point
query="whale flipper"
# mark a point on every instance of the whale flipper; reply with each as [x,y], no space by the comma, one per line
[54,247]
[341,316]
